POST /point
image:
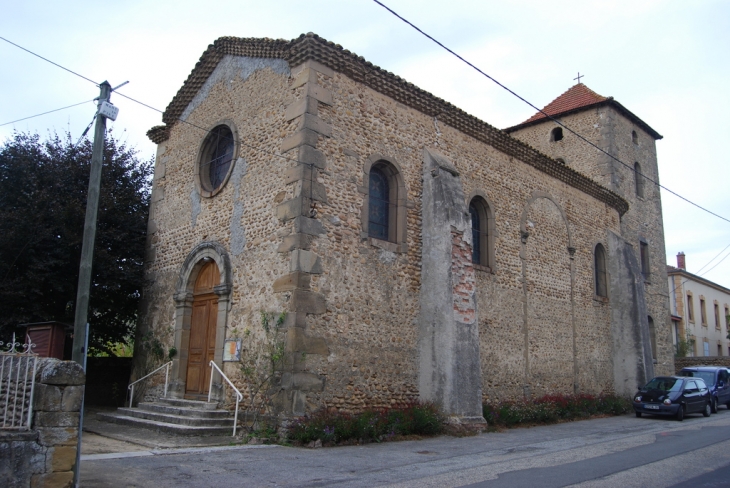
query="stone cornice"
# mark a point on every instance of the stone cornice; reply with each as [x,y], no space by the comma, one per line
[312,47]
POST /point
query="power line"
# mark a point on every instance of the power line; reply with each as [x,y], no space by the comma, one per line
[44,113]
[716,264]
[711,260]
[48,60]
[207,131]
[542,112]
[439,44]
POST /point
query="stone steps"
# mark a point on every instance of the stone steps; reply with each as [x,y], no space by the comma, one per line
[175,416]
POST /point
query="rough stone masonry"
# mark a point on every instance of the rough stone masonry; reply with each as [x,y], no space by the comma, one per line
[348,199]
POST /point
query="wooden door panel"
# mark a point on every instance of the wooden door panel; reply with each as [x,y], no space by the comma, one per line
[201,349]
[212,306]
[202,344]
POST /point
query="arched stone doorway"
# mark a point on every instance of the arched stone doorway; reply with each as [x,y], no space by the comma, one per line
[201,348]
[202,297]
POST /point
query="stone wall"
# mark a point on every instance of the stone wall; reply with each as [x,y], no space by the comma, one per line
[299,241]
[45,455]
[513,351]
[686,362]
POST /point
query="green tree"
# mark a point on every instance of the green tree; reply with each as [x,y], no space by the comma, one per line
[43,186]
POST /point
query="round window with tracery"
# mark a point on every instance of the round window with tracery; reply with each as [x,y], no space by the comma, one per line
[216,159]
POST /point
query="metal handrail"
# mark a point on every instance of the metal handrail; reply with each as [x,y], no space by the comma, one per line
[239,396]
[167,376]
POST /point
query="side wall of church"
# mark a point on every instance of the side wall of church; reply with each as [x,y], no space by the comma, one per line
[372,293]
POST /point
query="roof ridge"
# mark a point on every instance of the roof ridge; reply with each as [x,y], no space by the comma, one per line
[310,46]
[577,96]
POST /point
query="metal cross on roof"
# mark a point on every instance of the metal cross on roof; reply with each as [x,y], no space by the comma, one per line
[579,77]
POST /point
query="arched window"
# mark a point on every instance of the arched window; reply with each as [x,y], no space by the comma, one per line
[634,137]
[482,232]
[652,337]
[638,180]
[556,134]
[384,209]
[599,257]
[476,234]
[379,204]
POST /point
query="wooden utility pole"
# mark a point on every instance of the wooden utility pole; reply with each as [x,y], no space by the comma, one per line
[87,248]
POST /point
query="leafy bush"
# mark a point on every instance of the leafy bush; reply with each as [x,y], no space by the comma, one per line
[553,408]
[370,426]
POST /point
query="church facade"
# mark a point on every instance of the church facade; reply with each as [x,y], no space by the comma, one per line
[417,251]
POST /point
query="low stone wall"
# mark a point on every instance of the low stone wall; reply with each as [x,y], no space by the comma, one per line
[45,456]
[680,363]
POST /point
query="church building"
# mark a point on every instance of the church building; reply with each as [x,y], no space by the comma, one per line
[417,252]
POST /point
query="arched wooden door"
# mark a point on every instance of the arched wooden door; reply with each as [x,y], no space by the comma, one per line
[201,347]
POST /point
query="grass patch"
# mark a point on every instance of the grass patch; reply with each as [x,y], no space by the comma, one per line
[553,408]
[419,419]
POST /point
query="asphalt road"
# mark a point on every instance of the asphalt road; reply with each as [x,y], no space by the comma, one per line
[618,451]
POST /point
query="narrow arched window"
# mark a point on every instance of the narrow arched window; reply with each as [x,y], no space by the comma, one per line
[482,238]
[384,209]
[639,180]
[379,204]
[476,234]
[634,137]
[652,336]
[556,134]
[599,257]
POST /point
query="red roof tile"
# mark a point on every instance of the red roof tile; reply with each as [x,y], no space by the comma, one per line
[576,97]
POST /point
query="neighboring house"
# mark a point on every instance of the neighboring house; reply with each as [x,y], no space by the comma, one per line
[700,310]
[418,252]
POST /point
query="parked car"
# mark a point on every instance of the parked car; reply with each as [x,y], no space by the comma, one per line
[674,396]
[717,380]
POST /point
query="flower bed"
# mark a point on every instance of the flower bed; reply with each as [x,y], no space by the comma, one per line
[422,419]
[553,408]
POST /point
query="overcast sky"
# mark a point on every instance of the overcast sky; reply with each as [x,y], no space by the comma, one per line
[668,62]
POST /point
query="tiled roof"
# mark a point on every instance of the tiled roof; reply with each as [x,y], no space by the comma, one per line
[578,96]
[311,46]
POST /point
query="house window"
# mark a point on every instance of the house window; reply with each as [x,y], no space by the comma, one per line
[717,316]
[707,348]
[719,350]
[638,180]
[727,317]
[644,251]
[703,311]
[482,251]
[599,262]
[215,160]
[634,137]
[690,308]
[556,134]
[384,207]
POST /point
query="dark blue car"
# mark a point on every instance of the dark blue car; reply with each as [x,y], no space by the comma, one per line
[674,396]
[717,380]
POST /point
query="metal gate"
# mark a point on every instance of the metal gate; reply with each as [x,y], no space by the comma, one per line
[17,379]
